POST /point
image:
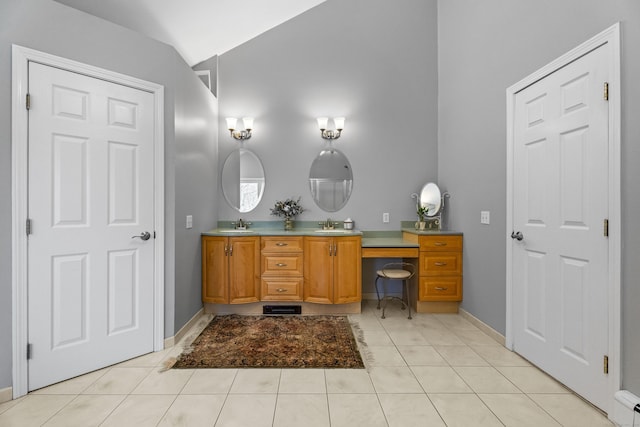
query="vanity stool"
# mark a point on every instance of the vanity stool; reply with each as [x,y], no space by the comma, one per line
[395,271]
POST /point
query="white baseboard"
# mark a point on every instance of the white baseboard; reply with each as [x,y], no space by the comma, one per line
[623,405]
[171,341]
[6,394]
[483,326]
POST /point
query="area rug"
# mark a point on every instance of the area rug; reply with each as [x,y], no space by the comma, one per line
[236,341]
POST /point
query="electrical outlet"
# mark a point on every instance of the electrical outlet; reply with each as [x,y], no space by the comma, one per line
[189,223]
[385,217]
[485,217]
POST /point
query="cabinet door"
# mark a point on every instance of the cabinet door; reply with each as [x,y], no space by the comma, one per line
[215,270]
[318,270]
[347,273]
[244,269]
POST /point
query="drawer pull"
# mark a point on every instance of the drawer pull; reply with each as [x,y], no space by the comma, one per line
[281,264]
[440,288]
[281,244]
[281,290]
[440,243]
[440,264]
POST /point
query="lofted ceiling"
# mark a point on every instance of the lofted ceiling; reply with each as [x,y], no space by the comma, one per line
[197,29]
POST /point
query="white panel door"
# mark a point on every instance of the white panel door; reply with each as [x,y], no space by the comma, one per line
[560,201]
[90,284]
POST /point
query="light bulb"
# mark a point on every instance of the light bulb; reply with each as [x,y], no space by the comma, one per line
[339,122]
[322,122]
[231,123]
[248,123]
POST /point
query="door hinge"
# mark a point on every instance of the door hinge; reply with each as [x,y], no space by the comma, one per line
[606,364]
[28,101]
[606,227]
[29,350]
[28,226]
[154,234]
[606,91]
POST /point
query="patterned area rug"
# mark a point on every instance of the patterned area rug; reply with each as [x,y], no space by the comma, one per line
[236,341]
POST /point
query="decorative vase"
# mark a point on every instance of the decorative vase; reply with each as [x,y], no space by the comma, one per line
[288,224]
[422,225]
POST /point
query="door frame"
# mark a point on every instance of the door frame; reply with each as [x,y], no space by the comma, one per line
[21,57]
[609,36]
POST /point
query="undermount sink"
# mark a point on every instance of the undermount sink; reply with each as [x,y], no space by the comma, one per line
[335,230]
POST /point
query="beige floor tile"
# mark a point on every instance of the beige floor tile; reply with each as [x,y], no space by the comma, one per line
[421,355]
[409,410]
[394,380]
[118,381]
[455,321]
[73,386]
[348,410]
[486,380]
[440,379]
[210,381]
[34,410]
[193,411]
[86,411]
[384,355]
[139,411]
[306,381]
[308,410]
[532,380]
[377,338]
[460,355]
[256,381]
[571,411]
[244,410]
[5,406]
[475,337]
[441,337]
[497,355]
[411,337]
[348,381]
[464,410]
[166,382]
[517,410]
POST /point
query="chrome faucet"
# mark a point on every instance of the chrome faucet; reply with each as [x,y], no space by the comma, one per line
[327,225]
[241,224]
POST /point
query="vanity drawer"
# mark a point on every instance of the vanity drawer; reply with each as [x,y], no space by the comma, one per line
[282,265]
[440,243]
[282,244]
[439,263]
[440,289]
[281,289]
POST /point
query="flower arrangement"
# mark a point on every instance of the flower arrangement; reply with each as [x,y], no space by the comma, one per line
[288,208]
[422,212]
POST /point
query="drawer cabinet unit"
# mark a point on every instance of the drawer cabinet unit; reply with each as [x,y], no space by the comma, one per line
[332,269]
[440,267]
[282,268]
[230,269]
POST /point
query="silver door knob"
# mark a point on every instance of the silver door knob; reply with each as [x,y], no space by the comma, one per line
[518,236]
[144,236]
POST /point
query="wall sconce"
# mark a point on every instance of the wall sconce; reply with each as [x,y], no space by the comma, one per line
[240,135]
[331,134]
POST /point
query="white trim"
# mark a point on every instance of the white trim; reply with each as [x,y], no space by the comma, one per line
[19,128]
[611,36]
[495,335]
[6,394]
[171,341]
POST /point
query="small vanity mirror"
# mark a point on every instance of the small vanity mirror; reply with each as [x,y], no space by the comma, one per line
[243,180]
[331,180]
[430,197]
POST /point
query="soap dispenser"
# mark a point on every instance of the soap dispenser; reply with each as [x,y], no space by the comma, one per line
[348,224]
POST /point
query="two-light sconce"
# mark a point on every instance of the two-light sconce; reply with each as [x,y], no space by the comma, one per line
[323,122]
[240,135]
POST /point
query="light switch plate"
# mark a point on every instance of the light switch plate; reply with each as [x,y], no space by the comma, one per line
[385,217]
[189,223]
[485,217]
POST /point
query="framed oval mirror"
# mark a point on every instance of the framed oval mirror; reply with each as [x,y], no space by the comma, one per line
[243,180]
[431,197]
[331,180]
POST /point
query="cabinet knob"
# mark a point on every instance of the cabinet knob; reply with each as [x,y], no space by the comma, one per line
[440,264]
[440,288]
[281,290]
[281,264]
[281,244]
[440,243]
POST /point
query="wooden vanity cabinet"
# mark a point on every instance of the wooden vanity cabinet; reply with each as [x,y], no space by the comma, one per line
[332,269]
[230,269]
[282,268]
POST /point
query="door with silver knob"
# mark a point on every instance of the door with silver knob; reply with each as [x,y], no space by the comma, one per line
[145,235]
[517,235]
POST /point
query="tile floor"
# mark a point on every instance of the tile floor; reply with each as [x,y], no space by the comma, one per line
[434,370]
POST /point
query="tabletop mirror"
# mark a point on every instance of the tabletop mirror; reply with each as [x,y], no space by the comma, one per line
[243,180]
[331,180]
[432,198]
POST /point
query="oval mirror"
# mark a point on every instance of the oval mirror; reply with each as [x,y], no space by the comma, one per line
[330,180]
[243,180]
[431,197]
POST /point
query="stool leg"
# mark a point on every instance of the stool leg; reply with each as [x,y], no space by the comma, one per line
[406,290]
[384,297]
[377,292]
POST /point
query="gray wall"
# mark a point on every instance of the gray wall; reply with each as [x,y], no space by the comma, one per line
[485,47]
[51,27]
[372,61]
